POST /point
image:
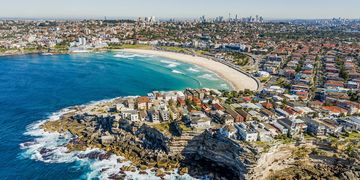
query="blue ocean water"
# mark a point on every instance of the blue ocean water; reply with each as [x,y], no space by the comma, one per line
[32,87]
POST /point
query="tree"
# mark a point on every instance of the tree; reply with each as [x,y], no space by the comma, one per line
[171,102]
[343,74]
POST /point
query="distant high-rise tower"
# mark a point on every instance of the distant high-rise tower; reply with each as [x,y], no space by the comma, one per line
[202,19]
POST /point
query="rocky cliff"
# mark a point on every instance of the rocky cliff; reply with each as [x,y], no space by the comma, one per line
[211,154]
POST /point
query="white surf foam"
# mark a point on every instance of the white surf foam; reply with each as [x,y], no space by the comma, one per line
[170,63]
[177,72]
[129,56]
[208,77]
[193,69]
[224,85]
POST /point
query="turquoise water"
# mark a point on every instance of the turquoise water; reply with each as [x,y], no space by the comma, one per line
[33,87]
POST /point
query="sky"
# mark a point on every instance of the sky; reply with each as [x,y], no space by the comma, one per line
[271,9]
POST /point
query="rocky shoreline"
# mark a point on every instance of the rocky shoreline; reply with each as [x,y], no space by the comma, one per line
[146,147]
[163,149]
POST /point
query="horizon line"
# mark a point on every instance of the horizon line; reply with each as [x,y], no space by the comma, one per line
[161,18]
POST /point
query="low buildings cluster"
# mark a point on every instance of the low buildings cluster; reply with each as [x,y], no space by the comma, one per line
[248,117]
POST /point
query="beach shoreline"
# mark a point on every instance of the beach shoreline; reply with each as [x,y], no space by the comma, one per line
[238,80]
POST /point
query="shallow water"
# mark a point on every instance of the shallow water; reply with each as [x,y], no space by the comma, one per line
[33,87]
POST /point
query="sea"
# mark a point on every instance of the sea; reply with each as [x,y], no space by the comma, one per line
[37,88]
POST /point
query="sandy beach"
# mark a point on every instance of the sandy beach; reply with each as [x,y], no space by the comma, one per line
[236,79]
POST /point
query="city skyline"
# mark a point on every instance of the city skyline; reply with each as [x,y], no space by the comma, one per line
[276,9]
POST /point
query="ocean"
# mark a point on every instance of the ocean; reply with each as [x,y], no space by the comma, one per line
[34,88]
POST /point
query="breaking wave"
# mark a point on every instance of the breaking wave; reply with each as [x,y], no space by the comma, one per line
[177,72]
[129,56]
[170,63]
[193,69]
[224,85]
[208,77]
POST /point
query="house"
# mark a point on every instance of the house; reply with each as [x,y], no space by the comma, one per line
[132,115]
[303,110]
[334,110]
[263,133]
[205,108]
[120,107]
[267,105]
[174,114]
[291,111]
[332,126]
[142,102]
[217,116]
[291,97]
[352,85]
[143,116]
[181,101]
[236,116]
[221,117]
[129,103]
[201,123]
[165,116]
[244,114]
[246,133]
[334,84]
[170,96]
[315,127]
[316,104]
[282,112]
[273,90]
[303,95]
[197,101]
[351,107]
[154,116]
[295,126]
[250,106]
[180,94]
[350,123]
[282,129]
[228,119]
[267,113]
[217,106]
[228,131]
[256,115]
[273,131]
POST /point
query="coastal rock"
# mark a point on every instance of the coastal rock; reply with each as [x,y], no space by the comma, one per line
[214,153]
[95,155]
[183,170]
[153,138]
[175,129]
[160,173]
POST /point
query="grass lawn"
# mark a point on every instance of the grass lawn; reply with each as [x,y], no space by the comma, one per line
[163,127]
[184,127]
[354,135]
[264,79]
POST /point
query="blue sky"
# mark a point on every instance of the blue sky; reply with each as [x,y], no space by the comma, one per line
[179,8]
